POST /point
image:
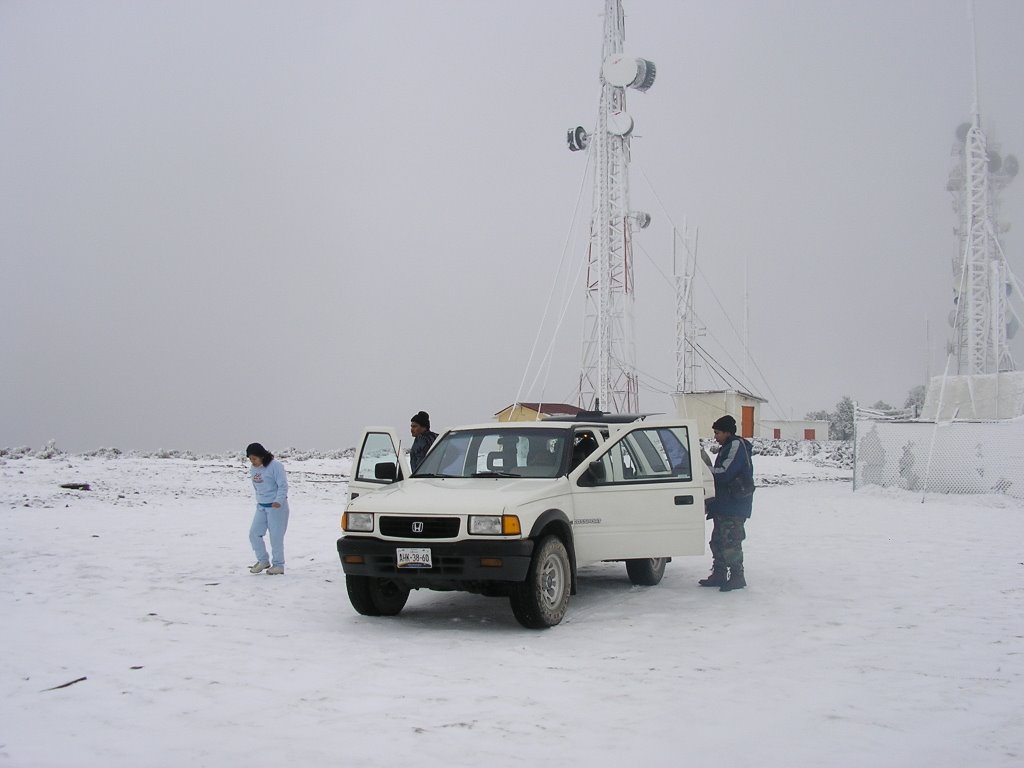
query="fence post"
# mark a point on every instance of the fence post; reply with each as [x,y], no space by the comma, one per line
[854,452]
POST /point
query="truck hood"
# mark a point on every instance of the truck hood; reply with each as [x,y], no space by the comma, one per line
[458,496]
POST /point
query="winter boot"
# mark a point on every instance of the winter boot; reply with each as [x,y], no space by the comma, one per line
[716,579]
[275,570]
[258,567]
[736,581]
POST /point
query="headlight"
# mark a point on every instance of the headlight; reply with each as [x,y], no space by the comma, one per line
[357,521]
[485,525]
[494,525]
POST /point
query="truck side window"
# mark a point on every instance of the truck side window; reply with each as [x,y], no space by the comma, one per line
[649,455]
[377,449]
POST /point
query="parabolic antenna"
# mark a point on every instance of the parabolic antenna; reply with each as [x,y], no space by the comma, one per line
[640,219]
[1011,166]
[995,161]
[578,138]
[961,131]
[620,124]
[625,71]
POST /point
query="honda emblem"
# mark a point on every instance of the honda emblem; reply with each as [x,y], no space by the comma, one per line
[417,527]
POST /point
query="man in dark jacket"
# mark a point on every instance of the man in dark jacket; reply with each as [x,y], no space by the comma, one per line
[728,510]
[419,427]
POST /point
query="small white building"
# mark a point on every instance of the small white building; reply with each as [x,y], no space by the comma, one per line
[793,429]
[710,405]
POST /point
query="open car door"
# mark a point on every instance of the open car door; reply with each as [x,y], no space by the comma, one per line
[641,495]
[379,461]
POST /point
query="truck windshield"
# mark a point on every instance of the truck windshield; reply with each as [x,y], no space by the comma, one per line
[506,452]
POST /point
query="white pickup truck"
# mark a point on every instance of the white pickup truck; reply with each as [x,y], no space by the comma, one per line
[513,509]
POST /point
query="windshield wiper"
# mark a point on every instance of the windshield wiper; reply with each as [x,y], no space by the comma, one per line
[430,474]
[493,473]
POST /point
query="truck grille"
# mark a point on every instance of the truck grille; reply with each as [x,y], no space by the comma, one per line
[425,527]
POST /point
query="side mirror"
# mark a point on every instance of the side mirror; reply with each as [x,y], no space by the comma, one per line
[385,470]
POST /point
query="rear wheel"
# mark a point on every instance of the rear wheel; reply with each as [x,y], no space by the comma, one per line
[376,597]
[541,600]
[646,572]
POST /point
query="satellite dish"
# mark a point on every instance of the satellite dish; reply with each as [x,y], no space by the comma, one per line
[961,131]
[640,219]
[952,318]
[646,72]
[995,162]
[1012,327]
[620,124]
[624,71]
[1011,166]
[578,138]
[619,70]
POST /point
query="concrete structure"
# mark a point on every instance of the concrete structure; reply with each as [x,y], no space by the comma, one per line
[792,429]
[535,411]
[978,396]
[707,406]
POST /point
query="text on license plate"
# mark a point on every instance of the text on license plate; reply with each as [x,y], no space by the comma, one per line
[413,557]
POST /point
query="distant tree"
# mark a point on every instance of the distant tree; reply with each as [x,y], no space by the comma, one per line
[841,427]
[881,405]
[915,398]
[840,421]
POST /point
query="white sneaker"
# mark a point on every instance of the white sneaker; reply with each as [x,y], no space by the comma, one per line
[257,567]
[276,570]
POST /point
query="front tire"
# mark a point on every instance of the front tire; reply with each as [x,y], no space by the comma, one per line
[541,601]
[376,597]
[646,572]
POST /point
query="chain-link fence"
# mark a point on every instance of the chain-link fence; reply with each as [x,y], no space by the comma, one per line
[948,457]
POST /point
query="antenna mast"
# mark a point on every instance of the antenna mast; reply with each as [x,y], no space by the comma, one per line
[981,278]
[608,377]
[686,326]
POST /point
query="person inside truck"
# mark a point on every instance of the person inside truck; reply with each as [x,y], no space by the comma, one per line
[584,445]
[540,454]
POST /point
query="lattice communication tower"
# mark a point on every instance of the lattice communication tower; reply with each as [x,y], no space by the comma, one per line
[608,378]
[982,282]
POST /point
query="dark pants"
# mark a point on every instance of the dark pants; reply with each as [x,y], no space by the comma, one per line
[727,544]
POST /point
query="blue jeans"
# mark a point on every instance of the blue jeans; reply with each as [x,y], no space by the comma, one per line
[276,521]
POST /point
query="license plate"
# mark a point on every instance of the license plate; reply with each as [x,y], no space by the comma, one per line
[413,557]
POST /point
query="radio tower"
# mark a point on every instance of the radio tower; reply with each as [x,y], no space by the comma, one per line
[608,377]
[982,281]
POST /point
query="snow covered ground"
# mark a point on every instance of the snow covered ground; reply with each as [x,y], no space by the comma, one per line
[876,631]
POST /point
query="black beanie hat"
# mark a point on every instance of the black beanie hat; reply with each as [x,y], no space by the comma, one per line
[725,424]
[422,418]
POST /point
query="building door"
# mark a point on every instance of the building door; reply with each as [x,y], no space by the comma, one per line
[809,434]
[777,433]
[747,421]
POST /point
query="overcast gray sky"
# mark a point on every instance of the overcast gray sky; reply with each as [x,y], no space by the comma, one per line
[226,221]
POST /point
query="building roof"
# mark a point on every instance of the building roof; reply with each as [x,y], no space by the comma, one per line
[548,409]
[723,392]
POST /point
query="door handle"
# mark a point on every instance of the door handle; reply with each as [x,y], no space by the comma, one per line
[684,500]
